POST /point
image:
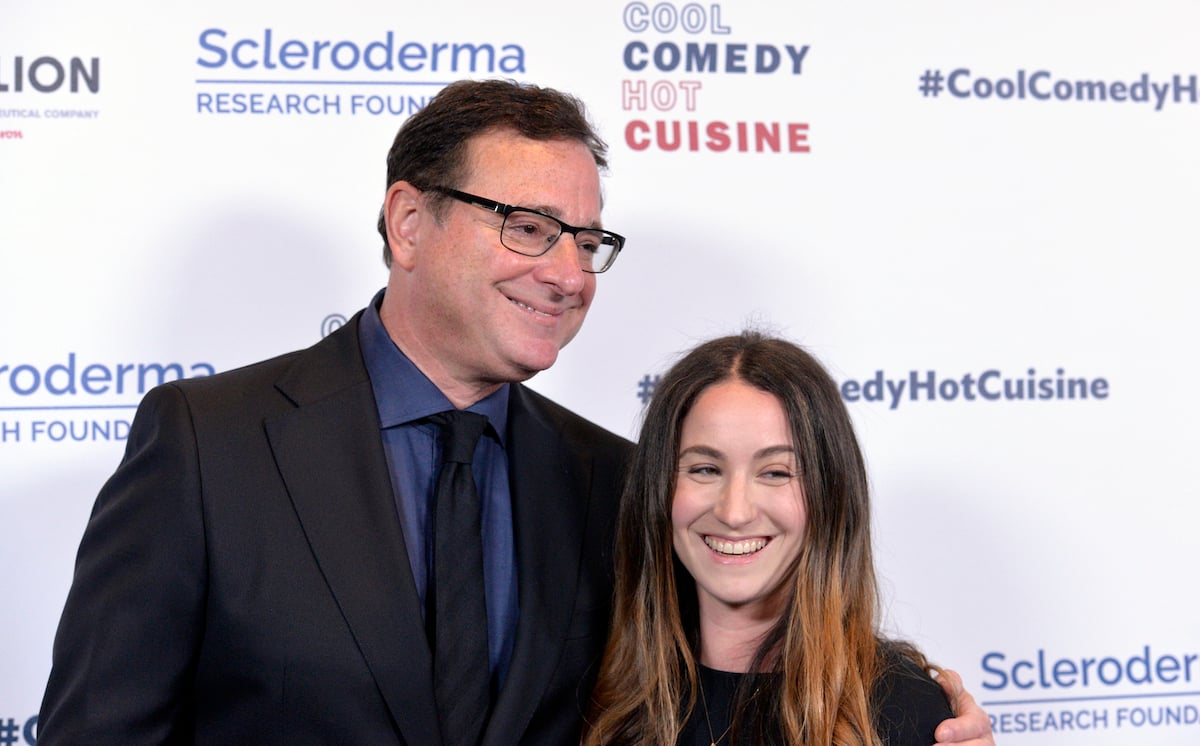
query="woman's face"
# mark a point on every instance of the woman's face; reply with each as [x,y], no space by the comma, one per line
[738,511]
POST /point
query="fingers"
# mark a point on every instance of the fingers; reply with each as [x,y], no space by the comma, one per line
[952,683]
[970,725]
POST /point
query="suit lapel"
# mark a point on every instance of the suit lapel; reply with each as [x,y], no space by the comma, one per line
[549,495]
[330,456]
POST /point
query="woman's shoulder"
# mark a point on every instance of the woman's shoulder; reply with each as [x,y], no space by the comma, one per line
[909,703]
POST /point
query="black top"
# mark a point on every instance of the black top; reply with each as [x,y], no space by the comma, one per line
[909,705]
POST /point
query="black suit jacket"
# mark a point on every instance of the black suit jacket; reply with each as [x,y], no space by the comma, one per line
[243,577]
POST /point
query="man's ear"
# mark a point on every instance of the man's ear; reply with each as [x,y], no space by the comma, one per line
[403,208]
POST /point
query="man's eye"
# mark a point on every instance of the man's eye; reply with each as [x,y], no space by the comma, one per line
[524,228]
[588,241]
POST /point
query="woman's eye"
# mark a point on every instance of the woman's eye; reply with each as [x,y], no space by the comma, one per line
[777,475]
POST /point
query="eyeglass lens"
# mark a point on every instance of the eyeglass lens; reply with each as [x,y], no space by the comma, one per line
[533,234]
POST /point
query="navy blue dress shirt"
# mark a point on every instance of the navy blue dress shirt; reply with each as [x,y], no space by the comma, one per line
[404,397]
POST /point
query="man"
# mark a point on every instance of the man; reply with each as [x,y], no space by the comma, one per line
[259,569]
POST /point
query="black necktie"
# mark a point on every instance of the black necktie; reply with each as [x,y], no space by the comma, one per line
[455,600]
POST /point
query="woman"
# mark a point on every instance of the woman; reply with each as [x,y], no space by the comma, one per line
[746,601]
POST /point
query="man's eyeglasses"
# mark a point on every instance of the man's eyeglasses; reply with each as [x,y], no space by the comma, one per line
[532,233]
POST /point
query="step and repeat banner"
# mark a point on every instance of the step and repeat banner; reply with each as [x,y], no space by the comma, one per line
[982,217]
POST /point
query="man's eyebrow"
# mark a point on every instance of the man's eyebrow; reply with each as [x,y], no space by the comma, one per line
[552,212]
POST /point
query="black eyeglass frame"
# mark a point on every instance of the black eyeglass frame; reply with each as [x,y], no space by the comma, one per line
[500,208]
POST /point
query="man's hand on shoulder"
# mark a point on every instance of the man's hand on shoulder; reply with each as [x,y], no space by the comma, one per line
[970,725]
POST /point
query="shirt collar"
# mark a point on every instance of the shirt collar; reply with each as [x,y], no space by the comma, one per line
[403,394]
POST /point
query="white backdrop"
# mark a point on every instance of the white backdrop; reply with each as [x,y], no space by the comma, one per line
[977,194]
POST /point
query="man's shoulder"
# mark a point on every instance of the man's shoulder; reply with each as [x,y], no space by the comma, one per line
[328,362]
[570,425]
[266,370]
